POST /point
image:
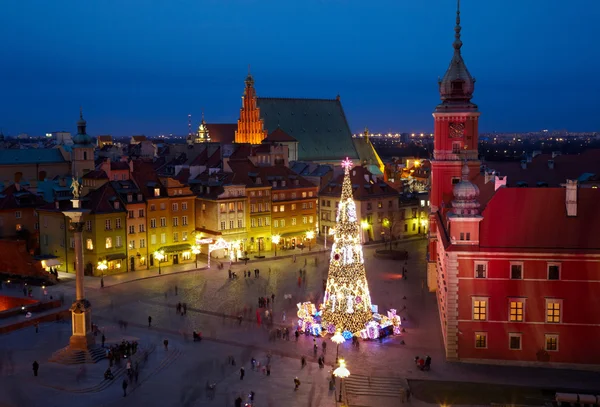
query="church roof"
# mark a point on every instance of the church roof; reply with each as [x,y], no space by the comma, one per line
[223,133]
[30,156]
[278,136]
[365,185]
[319,125]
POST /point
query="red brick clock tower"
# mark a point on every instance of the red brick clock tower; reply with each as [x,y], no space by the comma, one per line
[456,137]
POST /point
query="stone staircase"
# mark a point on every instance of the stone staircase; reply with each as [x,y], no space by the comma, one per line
[358,385]
[68,356]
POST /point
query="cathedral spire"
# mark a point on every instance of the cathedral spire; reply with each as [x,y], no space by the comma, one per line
[457,42]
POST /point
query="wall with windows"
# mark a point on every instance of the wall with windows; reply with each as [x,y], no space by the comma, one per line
[530,308]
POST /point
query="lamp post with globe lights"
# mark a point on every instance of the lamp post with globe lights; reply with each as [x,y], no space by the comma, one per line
[159,255]
[196,252]
[342,372]
[338,339]
[102,266]
[275,239]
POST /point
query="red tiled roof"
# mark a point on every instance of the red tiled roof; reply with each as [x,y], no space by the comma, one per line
[361,187]
[146,178]
[139,138]
[214,160]
[119,165]
[242,152]
[570,166]
[277,136]
[96,174]
[200,158]
[536,218]
[223,133]
[105,138]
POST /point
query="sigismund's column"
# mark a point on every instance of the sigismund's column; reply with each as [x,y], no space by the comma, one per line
[81,309]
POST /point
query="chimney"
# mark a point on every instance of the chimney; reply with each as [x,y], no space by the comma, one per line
[56,205]
[489,175]
[499,181]
[551,164]
[571,197]
[524,164]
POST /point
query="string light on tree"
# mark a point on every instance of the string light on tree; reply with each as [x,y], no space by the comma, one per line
[347,302]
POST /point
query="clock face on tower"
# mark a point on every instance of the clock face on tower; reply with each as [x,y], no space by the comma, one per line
[457,130]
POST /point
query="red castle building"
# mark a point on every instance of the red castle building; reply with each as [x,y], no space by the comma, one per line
[516,270]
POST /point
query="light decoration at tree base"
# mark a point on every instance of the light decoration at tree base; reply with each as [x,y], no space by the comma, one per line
[310,322]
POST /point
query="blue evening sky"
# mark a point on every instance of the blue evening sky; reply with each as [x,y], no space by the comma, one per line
[140,66]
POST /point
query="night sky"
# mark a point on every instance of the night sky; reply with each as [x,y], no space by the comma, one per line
[140,66]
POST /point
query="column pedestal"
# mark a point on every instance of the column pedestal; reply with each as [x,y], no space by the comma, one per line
[81,317]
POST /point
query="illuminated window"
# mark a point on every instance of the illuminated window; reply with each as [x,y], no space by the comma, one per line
[108,242]
[153,239]
[163,238]
[480,309]
[310,219]
[240,206]
[89,244]
[231,206]
[480,269]
[132,244]
[517,308]
[553,311]
[516,271]
[293,207]
[222,208]
[553,271]
[176,237]
[253,222]
[293,221]
[304,220]
[281,208]
[275,223]
[156,191]
[481,340]
[282,223]
[514,341]
[186,255]
[275,208]
[267,221]
[551,342]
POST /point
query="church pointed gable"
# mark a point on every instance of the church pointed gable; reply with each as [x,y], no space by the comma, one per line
[250,127]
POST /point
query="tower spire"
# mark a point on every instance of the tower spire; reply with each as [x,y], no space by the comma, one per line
[457,42]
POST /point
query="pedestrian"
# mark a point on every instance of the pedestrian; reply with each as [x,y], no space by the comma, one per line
[37,326]
[238,402]
[124,387]
[283,316]
[149,321]
[103,340]
[268,301]
[184,308]
[178,308]
[273,298]
[242,373]
[268,370]
[324,345]
[303,362]
[296,383]
[299,281]
[296,334]
[36,367]
[166,343]
[230,274]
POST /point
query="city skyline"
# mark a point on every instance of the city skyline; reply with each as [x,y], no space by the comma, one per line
[143,70]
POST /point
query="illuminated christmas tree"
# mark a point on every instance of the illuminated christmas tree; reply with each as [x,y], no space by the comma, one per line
[347,302]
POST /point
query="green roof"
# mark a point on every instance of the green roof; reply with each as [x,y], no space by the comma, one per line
[30,156]
[319,125]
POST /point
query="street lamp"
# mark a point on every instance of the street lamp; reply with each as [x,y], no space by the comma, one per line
[309,235]
[275,239]
[160,256]
[196,251]
[338,338]
[102,266]
[342,372]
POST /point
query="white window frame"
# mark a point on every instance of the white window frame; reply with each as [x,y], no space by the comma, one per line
[118,241]
[522,301]
[549,336]
[184,206]
[561,309]
[516,263]
[487,307]
[477,263]
[184,220]
[548,265]
[18,214]
[515,335]
[485,334]
[118,223]
[108,244]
